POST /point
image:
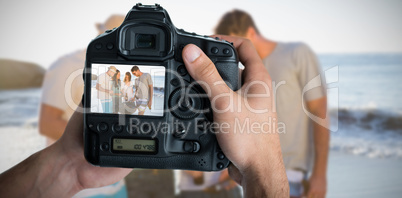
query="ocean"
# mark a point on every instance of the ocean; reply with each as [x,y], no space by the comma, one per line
[364,97]
[365,91]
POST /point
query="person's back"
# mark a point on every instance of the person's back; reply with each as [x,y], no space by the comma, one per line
[59,104]
[291,66]
[61,94]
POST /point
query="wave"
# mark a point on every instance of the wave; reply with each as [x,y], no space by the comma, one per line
[370,119]
[368,132]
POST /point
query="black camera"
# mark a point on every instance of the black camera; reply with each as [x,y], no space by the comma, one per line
[141,107]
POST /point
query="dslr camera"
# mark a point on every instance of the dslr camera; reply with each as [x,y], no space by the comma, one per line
[141,107]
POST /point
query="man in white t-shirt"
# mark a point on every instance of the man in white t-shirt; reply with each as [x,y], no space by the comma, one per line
[144,90]
[104,89]
[62,91]
[300,103]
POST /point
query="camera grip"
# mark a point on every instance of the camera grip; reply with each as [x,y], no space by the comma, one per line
[229,72]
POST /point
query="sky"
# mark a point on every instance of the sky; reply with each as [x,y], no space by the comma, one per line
[40,31]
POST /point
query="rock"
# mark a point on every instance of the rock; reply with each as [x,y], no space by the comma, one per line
[20,75]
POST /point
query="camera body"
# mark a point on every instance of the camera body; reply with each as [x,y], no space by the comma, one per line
[166,123]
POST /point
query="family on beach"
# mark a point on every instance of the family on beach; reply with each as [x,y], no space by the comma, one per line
[128,97]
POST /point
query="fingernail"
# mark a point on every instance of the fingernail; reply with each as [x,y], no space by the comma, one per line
[192,52]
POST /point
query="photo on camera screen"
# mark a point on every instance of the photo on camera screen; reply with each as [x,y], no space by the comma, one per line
[128,89]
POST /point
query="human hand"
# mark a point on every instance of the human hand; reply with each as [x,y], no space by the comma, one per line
[59,170]
[317,186]
[150,103]
[84,174]
[255,153]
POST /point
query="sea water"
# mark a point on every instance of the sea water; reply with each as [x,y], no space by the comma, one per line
[367,106]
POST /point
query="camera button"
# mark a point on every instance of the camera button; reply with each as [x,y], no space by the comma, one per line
[109,46]
[175,82]
[105,147]
[102,127]
[214,50]
[196,147]
[220,165]
[182,70]
[117,128]
[221,156]
[184,103]
[98,46]
[226,51]
[188,146]
[191,147]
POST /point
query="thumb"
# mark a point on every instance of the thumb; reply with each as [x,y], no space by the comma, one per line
[203,70]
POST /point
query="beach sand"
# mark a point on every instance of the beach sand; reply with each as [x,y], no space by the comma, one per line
[17,144]
[359,176]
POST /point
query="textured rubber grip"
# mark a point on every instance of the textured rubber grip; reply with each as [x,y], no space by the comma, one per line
[229,72]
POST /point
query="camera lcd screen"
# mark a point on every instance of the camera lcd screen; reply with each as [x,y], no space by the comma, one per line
[135,145]
[128,89]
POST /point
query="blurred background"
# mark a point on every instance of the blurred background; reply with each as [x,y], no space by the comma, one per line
[358,43]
